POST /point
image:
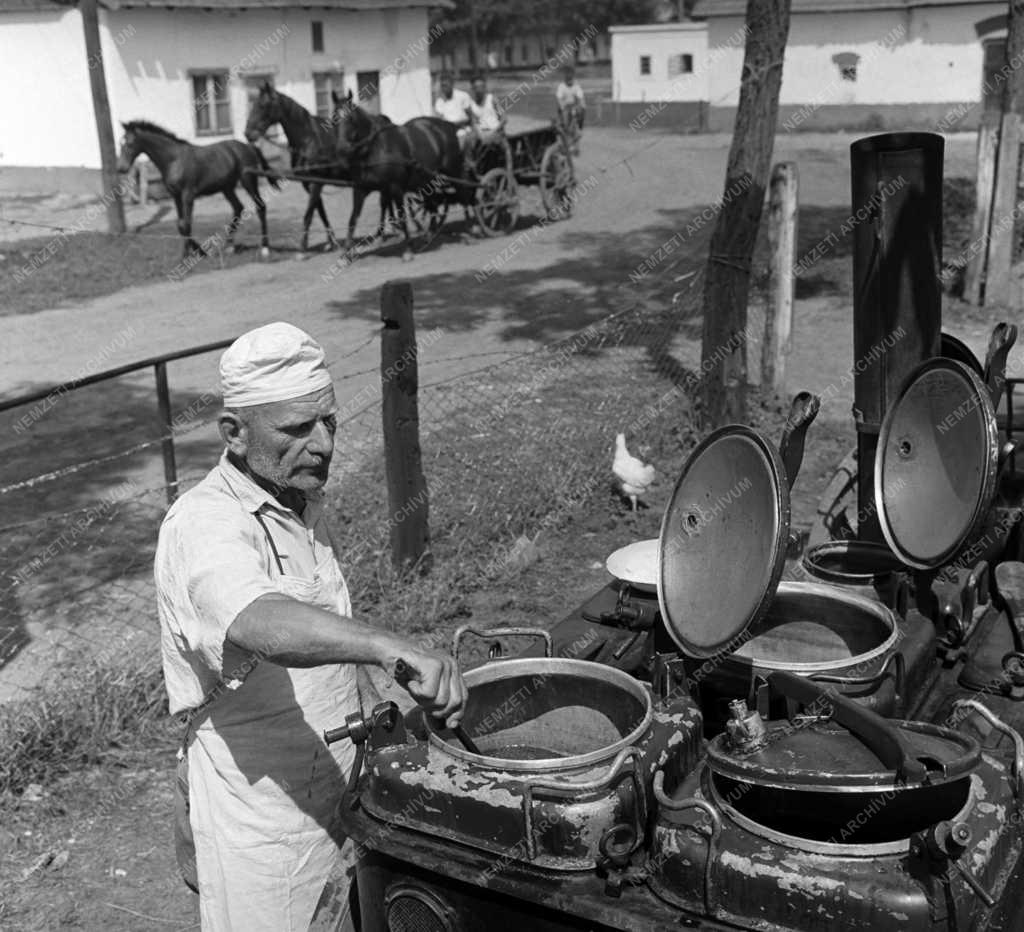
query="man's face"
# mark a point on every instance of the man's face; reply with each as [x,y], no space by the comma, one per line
[290,443]
[446,87]
[569,77]
[479,90]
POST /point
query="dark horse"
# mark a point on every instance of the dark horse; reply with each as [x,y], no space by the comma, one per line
[192,171]
[311,144]
[420,157]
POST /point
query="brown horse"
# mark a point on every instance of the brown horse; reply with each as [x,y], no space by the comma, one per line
[421,157]
[190,171]
[311,143]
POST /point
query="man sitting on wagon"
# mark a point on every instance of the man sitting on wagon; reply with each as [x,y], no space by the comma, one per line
[488,121]
[454,106]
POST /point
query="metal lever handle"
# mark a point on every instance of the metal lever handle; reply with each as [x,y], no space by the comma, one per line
[877,733]
[802,412]
[1000,343]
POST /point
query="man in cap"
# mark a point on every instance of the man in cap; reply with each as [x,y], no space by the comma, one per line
[260,647]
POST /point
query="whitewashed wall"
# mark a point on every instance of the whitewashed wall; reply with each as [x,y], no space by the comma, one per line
[148,57]
[929,55]
[660,42]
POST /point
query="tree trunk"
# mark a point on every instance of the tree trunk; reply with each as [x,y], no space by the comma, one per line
[1002,281]
[727,282]
[101,109]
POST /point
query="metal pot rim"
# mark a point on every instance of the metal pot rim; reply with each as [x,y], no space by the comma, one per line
[819,590]
[846,576]
[899,846]
[548,666]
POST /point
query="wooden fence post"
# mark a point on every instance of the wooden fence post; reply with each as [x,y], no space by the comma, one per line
[999,288]
[974,275]
[407,488]
[778,318]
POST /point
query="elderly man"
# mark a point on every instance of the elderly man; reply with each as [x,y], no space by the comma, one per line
[260,647]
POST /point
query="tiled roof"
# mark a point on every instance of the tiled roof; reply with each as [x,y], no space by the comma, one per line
[712,8]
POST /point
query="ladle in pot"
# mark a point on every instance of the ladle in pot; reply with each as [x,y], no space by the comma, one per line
[405,671]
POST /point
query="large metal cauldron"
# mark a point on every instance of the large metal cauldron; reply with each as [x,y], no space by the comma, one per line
[722,551]
[840,821]
[568,752]
[810,629]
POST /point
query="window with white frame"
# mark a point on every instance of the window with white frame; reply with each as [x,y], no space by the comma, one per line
[645,64]
[211,103]
[324,82]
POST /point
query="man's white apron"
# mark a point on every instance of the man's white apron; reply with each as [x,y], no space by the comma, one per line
[264,787]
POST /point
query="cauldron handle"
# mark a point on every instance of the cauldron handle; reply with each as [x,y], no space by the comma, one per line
[692,802]
[877,733]
[484,633]
[1018,742]
[574,789]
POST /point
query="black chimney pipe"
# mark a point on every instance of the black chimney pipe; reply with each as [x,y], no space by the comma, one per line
[896,181]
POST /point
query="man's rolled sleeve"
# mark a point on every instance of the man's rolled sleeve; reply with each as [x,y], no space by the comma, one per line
[226,573]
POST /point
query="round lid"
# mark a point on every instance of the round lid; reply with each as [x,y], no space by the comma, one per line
[936,463]
[636,564]
[824,757]
[723,541]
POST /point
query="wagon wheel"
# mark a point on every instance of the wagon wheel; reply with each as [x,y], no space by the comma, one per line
[557,180]
[497,202]
[426,219]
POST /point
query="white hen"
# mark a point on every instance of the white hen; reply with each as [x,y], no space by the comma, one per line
[633,475]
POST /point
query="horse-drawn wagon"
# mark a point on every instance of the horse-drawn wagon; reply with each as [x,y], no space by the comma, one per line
[530,154]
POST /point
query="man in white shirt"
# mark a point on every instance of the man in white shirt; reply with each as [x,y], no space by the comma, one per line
[453,105]
[572,106]
[260,649]
[487,117]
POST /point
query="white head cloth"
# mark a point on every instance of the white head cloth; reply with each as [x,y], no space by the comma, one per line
[277,362]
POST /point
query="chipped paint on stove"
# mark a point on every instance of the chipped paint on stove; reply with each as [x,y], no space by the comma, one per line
[787,880]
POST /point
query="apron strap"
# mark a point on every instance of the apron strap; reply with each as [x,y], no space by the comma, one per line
[270,540]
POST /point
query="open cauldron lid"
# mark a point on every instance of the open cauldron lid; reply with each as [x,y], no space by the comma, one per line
[936,463]
[723,540]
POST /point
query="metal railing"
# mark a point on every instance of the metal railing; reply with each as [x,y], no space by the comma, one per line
[163,398]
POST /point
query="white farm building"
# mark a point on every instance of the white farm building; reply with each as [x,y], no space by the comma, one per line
[868,64]
[193,66]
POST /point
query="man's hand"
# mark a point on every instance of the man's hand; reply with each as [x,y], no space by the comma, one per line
[432,679]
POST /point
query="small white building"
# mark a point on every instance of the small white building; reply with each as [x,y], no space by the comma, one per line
[872,64]
[194,65]
[660,62]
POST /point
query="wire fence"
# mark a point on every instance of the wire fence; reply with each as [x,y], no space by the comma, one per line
[509,451]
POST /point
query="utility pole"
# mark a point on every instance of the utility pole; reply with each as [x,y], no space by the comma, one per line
[101,108]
